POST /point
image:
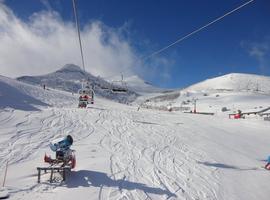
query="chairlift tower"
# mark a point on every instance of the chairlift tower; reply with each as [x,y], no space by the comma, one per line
[195,104]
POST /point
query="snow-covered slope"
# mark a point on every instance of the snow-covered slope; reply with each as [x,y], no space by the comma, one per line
[234,82]
[233,91]
[123,153]
[23,96]
[69,79]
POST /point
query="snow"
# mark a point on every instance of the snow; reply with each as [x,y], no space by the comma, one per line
[243,92]
[3,193]
[69,78]
[234,82]
[123,153]
[23,96]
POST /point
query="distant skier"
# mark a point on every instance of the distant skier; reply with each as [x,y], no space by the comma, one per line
[44,86]
[267,166]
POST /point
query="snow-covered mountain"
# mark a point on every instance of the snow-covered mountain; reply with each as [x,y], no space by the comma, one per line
[69,79]
[233,91]
[234,82]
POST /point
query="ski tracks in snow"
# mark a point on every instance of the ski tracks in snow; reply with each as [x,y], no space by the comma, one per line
[148,158]
[153,154]
[26,133]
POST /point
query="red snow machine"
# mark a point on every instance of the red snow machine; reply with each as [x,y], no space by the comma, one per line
[64,160]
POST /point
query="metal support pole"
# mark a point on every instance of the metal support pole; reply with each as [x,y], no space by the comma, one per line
[78,30]
[38,175]
[195,106]
[64,174]
[51,177]
[5,175]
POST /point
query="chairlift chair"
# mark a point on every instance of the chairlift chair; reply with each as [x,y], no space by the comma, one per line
[104,87]
[86,95]
[117,88]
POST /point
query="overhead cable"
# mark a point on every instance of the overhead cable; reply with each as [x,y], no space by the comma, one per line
[78,29]
[197,30]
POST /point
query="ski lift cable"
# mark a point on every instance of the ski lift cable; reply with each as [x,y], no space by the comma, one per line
[78,30]
[120,75]
[197,30]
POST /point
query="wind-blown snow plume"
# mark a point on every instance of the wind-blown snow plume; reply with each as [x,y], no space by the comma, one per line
[261,52]
[45,42]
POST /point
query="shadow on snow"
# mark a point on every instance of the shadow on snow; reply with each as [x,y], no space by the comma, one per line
[87,178]
[225,166]
[14,98]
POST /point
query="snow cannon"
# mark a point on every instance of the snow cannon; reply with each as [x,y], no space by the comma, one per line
[61,144]
[63,154]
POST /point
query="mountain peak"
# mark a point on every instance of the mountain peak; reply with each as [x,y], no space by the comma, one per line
[69,77]
[71,67]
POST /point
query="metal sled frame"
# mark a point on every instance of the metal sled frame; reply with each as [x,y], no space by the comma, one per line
[52,169]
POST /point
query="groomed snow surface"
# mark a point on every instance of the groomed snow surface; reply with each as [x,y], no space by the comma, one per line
[126,153]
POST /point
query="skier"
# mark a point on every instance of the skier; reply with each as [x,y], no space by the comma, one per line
[267,166]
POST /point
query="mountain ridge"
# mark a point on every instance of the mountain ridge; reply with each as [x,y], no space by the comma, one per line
[233,82]
[69,77]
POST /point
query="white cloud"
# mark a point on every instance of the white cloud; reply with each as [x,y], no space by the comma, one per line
[47,4]
[258,51]
[45,43]
[261,52]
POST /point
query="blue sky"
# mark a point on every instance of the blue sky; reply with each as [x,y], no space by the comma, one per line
[238,43]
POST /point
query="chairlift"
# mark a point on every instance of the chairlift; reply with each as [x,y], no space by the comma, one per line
[119,90]
[119,86]
[86,95]
[116,88]
[104,87]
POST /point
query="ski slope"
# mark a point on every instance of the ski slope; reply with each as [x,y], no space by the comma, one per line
[232,92]
[123,153]
[234,82]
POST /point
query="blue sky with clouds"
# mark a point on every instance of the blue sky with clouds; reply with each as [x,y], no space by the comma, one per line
[238,43]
